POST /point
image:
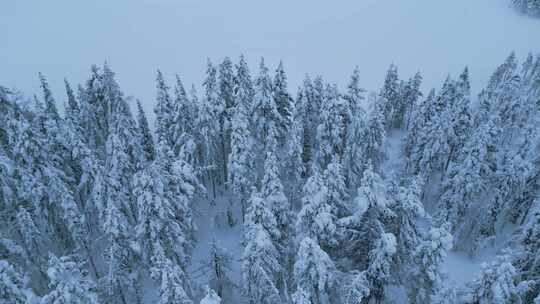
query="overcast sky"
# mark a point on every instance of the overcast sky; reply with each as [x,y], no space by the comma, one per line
[62,38]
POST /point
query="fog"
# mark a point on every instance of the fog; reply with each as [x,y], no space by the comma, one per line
[62,38]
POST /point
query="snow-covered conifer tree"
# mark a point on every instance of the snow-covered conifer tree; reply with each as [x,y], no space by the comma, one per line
[283,100]
[330,131]
[147,142]
[68,282]
[317,219]
[12,288]
[266,114]
[241,159]
[260,266]
[314,274]
[391,99]
[380,262]
[425,278]
[497,283]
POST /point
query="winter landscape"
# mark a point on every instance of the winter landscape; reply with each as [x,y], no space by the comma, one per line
[360,152]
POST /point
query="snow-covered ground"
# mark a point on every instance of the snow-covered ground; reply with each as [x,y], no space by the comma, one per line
[211,221]
[62,38]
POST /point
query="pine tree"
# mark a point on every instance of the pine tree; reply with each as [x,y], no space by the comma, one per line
[461,119]
[390,95]
[294,165]
[409,210]
[470,177]
[241,158]
[372,137]
[244,90]
[165,226]
[72,106]
[337,191]
[356,288]
[355,120]
[425,276]
[266,114]
[416,138]
[272,193]
[260,266]
[209,126]
[147,142]
[12,288]
[380,261]
[314,273]
[496,283]
[68,282]
[528,262]
[330,131]
[411,95]
[361,230]
[173,283]
[317,219]
[50,105]
[305,103]
[164,111]
[226,85]
[282,100]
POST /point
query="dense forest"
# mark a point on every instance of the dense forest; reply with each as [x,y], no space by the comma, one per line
[336,195]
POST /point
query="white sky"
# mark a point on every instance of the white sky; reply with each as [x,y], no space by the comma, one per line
[62,38]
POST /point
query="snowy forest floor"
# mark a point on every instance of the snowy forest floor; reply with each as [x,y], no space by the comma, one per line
[212,223]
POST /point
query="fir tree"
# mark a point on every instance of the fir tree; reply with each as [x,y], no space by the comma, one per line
[361,230]
[391,98]
[380,261]
[260,267]
[314,273]
[282,99]
[266,114]
[165,227]
[409,210]
[426,280]
[68,282]
[330,131]
[355,120]
[241,158]
[317,219]
[496,283]
[147,142]
[12,288]
[163,110]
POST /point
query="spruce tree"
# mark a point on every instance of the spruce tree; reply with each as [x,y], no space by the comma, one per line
[390,94]
[147,142]
[241,158]
[425,277]
[282,100]
[314,274]
[317,219]
[496,283]
[266,114]
[330,131]
[68,282]
[12,288]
